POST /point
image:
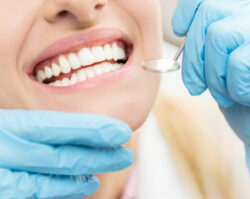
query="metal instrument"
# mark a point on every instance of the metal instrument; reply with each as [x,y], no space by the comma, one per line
[165,65]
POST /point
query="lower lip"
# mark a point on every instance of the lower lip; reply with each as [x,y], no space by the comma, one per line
[96,81]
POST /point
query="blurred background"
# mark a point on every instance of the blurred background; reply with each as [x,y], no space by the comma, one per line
[204,110]
[168,7]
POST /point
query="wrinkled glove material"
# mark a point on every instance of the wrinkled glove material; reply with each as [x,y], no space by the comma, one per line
[216,56]
[50,155]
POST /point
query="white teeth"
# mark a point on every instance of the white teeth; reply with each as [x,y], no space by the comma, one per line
[108,52]
[64,64]
[81,76]
[105,67]
[116,66]
[98,69]
[41,76]
[74,61]
[48,72]
[86,57]
[55,70]
[87,73]
[112,67]
[118,52]
[58,83]
[115,51]
[98,56]
[98,53]
[90,72]
[65,82]
[121,54]
[73,79]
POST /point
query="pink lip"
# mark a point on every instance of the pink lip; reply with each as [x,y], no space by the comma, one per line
[71,43]
[92,82]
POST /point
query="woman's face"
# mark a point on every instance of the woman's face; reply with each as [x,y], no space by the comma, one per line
[80,56]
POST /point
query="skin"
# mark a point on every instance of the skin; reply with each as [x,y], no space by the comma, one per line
[31,26]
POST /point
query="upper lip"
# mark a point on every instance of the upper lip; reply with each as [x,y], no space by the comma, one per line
[87,39]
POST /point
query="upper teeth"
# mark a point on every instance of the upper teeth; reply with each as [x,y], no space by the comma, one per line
[84,57]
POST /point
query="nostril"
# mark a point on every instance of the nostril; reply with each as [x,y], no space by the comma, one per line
[99,6]
[63,13]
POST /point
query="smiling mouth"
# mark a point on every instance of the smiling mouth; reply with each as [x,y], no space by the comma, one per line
[81,65]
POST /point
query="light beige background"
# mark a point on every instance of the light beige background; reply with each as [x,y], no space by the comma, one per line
[168,7]
[204,109]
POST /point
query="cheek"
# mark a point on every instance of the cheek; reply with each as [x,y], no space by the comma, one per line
[16,23]
[148,20]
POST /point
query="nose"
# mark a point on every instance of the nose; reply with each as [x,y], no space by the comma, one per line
[82,11]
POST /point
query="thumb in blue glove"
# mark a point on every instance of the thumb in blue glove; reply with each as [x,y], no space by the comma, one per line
[240,126]
[215,29]
[42,153]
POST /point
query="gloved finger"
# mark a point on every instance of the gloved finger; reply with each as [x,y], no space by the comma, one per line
[50,127]
[247,148]
[223,37]
[184,15]
[238,75]
[23,185]
[22,155]
[240,126]
[238,117]
[193,72]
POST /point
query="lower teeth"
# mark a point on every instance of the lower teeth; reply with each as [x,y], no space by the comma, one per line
[87,73]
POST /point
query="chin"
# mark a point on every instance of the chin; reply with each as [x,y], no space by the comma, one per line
[130,111]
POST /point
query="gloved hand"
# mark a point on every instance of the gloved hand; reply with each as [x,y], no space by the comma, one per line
[241,126]
[217,56]
[53,154]
[217,48]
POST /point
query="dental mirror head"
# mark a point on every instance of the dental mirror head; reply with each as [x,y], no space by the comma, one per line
[161,65]
[165,65]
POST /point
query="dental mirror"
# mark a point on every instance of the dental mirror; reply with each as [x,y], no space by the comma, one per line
[165,65]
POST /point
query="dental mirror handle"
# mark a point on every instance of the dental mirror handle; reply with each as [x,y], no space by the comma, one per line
[165,65]
[180,51]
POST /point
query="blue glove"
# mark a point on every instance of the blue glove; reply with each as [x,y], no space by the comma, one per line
[217,56]
[53,154]
[217,48]
[240,126]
